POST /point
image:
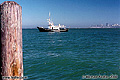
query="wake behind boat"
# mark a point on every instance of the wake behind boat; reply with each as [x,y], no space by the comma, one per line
[53,28]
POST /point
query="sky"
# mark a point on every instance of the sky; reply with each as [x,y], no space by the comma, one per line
[72,13]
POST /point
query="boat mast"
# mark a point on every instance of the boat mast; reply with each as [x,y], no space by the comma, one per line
[49,18]
[50,23]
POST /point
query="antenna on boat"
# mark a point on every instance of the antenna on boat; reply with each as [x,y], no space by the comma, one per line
[49,14]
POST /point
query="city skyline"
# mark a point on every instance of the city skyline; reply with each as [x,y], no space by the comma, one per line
[73,13]
[107,25]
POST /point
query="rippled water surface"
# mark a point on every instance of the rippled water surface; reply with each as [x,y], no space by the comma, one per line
[69,55]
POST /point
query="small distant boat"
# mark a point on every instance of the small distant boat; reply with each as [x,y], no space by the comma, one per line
[53,28]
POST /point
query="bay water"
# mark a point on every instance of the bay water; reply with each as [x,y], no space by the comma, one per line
[71,55]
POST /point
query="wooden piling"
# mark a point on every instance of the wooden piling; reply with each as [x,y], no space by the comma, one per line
[11,39]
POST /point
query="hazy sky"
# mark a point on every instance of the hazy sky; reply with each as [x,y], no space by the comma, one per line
[73,13]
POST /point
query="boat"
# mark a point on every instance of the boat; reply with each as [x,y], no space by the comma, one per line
[52,27]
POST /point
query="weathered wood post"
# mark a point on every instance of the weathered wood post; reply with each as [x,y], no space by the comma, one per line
[11,39]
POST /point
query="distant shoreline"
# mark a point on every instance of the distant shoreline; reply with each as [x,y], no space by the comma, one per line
[78,28]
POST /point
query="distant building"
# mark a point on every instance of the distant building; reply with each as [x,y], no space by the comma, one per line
[107,24]
[115,26]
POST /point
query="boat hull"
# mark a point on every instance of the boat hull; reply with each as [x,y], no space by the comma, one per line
[51,30]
